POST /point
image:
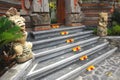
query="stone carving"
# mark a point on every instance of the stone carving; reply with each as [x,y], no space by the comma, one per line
[74,18]
[72,6]
[73,12]
[42,18]
[40,6]
[21,47]
[37,6]
[102,24]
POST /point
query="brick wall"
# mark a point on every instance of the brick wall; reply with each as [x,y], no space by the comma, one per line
[91,11]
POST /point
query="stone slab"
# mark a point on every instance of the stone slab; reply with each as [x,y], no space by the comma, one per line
[16,72]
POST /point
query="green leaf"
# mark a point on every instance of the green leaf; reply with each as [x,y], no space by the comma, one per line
[8,31]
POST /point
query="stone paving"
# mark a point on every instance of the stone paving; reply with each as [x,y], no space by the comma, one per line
[109,69]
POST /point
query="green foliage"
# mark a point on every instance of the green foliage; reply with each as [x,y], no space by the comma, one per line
[52,5]
[116,30]
[8,31]
[109,30]
[116,16]
[95,30]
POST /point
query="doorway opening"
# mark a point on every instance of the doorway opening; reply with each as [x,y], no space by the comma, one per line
[57,11]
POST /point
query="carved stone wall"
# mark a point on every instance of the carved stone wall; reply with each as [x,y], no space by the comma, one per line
[37,15]
[40,14]
[41,18]
[73,12]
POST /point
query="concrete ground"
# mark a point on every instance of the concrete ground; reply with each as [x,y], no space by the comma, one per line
[109,69]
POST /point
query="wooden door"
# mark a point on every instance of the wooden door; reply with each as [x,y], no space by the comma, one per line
[61,11]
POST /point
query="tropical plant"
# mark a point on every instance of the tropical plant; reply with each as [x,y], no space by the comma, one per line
[8,31]
[116,30]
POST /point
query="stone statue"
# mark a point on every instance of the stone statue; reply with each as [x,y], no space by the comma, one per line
[21,47]
[102,24]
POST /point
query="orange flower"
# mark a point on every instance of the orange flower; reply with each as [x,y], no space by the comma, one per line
[76,48]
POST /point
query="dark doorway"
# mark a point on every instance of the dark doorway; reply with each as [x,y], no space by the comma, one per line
[60,11]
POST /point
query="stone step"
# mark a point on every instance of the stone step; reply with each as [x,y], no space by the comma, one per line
[50,68]
[57,49]
[78,63]
[53,32]
[64,51]
[36,44]
[61,42]
[58,56]
[100,56]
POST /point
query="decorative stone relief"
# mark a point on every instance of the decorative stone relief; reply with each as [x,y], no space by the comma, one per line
[72,6]
[102,24]
[21,47]
[37,6]
[75,18]
[45,5]
[40,6]
[42,18]
[73,12]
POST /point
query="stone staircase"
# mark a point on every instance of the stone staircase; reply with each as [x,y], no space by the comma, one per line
[61,54]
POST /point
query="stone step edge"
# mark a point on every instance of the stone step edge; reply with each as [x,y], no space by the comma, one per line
[49,56]
[16,72]
[59,29]
[63,47]
[94,61]
[61,37]
[52,66]
[63,41]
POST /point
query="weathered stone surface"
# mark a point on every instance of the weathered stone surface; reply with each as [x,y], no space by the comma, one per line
[72,6]
[27,18]
[79,78]
[45,5]
[98,72]
[16,72]
[102,24]
[95,77]
[27,4]
[104,78]
[42,18]
[74,18]
[40,6]
[87,78]
[37,7]
[23,12]
[73,12]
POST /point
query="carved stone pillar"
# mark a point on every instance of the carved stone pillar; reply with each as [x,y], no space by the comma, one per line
[74,14]
[37,14]
[40,15]
[102,24]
